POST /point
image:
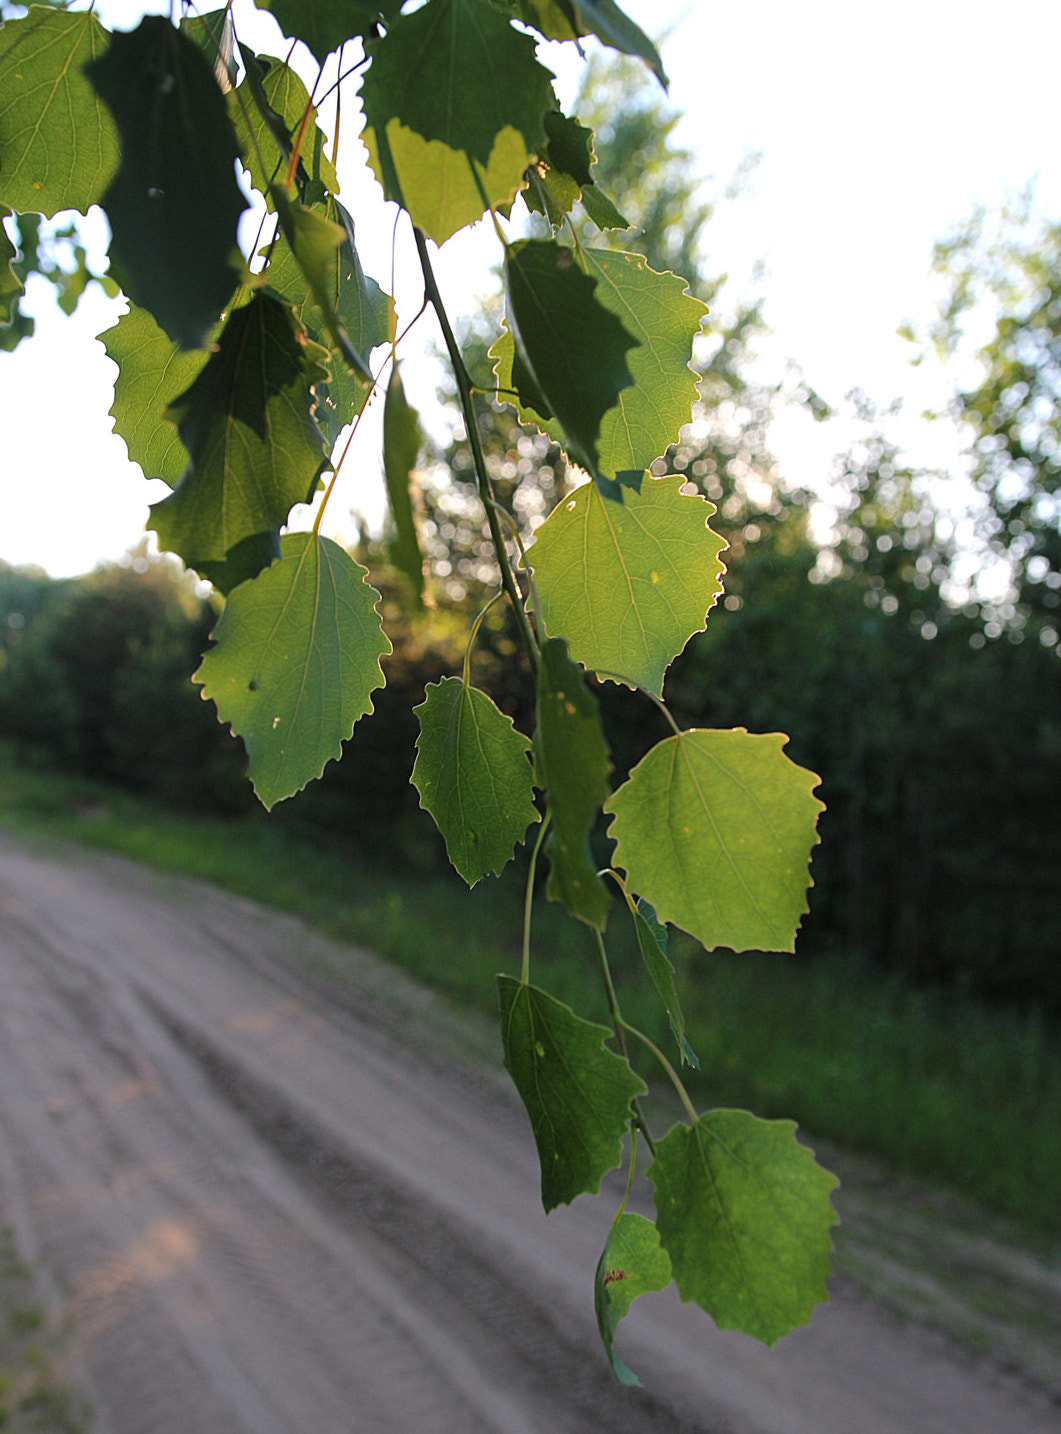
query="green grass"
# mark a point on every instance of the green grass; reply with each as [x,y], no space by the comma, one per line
[32,1394]
[934,1083]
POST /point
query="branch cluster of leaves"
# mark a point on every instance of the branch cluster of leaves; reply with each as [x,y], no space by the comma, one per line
[235,382]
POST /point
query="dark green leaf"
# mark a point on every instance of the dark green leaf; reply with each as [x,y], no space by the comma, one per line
[268,111]
[744,1212]
[632,1263]
[652,940]
[243,562]
[555,19]
[715,829]
[562,176]
[215,36]
[573,351]
[365,311]
[574,766]
[627,585]
[454,102]
[296,662]
[604,19]
[152,372]
[601,209]
[314,242]
[247,423]
[323,25]
[577,1092]
[570,146]
[174,204]
[58,145]
[473,776]
[401,446]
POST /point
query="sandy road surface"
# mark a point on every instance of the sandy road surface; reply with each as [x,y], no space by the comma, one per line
[269,1215]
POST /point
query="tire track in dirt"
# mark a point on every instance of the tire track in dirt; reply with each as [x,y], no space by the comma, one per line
[267,1213]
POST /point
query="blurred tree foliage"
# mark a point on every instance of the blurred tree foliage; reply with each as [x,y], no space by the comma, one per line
[1002,301]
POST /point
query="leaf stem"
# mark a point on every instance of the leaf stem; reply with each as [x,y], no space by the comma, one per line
[528,900]
[629,1177]
[464,389]
[466,676]
[675,1078]
[620,1031]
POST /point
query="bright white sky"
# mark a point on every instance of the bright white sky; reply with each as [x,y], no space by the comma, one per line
[880,127]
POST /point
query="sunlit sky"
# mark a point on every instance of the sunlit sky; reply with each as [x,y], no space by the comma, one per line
[879,128]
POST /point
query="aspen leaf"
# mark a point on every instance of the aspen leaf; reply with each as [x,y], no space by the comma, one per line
[153,371]
[323,25]
[247,424]
[174,204]
[473,776]
[715,829]
[569,352]
[402,439]
[573,765]
[296,662]
[269,109]
[652,942]
[445,160]
[58,142]
[628,584]
[577,1092]
[641,416]
[744,1212]
[632,1263]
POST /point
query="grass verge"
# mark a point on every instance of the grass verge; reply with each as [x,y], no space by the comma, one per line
[934,1083]
[32,1393]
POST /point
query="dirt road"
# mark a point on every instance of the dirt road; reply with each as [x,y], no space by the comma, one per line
[266,1214]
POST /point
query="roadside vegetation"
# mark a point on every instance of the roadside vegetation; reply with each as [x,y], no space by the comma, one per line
[34,1394]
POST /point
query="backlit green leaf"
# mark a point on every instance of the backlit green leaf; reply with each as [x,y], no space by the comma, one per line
[652,941]
[577,1092]
[314,242]
[296,662]
[573,765]
[628,584]
[562,176]
[58,143]
[325,24]
[632,1263]
[402,440]
[247,423]
[268,111]
[152,372]
[454,101]
[174,204]
[744,1212]
[364,310]
[715,829]
[664,319]
[473,776]
[644,414]
[570,352]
